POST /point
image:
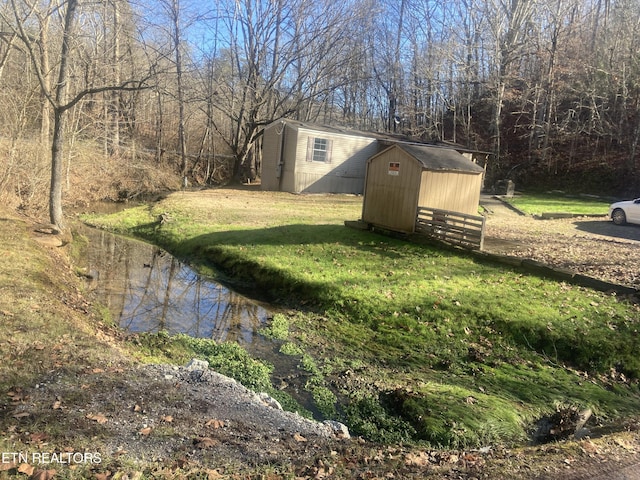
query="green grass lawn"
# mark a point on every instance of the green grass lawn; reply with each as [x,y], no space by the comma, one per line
[415,343]
[537,204]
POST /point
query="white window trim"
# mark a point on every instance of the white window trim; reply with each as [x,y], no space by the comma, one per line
[311,141]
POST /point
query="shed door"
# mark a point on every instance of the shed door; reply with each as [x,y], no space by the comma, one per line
[391,191]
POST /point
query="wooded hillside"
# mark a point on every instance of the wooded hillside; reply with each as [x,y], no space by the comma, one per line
[550,87]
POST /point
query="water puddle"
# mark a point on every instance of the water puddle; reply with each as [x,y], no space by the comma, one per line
[148,290]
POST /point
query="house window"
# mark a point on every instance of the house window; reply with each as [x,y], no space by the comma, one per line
[319,150]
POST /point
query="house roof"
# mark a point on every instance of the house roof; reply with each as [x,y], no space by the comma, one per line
[388,139]
[439,158]
[329,129]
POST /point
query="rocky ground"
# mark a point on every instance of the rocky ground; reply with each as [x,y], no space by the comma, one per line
[193,423]
[187,417]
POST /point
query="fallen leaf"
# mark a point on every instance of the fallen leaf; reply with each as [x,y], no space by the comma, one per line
[214,423]
[214,474]
[7,466]
[43,475]
[471,459]
[145,431]
[205,442]
[21,415]
[180,463]
[624,444]
[299,438]
[57,405]
[100,418]
[320,472]
[38,437]
[103,476]
[17,396]
[167,418]
[419,459]
[590,448]
[137,408]
[26,469]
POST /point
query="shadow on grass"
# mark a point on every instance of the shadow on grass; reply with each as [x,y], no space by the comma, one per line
[230,252]
[391,247]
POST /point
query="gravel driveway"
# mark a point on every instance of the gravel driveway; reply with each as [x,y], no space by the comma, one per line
[592,246]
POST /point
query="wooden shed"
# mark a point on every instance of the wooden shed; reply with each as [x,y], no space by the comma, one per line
[405,178]
[300,157]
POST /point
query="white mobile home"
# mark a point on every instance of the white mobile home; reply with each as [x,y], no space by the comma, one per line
[304,158]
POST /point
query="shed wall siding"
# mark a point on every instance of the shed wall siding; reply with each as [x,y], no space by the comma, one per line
[454,191]
[391,200]
[343,174]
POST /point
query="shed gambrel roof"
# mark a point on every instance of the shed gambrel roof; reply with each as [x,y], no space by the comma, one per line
[442,159]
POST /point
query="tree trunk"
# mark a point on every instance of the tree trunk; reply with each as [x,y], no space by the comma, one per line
[177,43]
[45,111]
[55,192]
[115,95]
[59,112]
[159,128]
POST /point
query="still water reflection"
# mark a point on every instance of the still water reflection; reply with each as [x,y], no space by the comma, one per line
[148,290]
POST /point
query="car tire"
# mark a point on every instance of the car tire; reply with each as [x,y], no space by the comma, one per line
[618,216]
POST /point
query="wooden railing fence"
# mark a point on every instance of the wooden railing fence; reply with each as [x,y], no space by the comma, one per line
[452,227]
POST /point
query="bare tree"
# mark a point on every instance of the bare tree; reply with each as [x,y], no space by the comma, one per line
[508,22]
[175,14]
[58,97]
[279,58]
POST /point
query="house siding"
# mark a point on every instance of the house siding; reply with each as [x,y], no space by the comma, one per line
[271,155]
[345,171]
[285,167]
[287,142]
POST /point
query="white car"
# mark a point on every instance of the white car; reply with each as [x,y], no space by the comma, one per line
[625,212]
